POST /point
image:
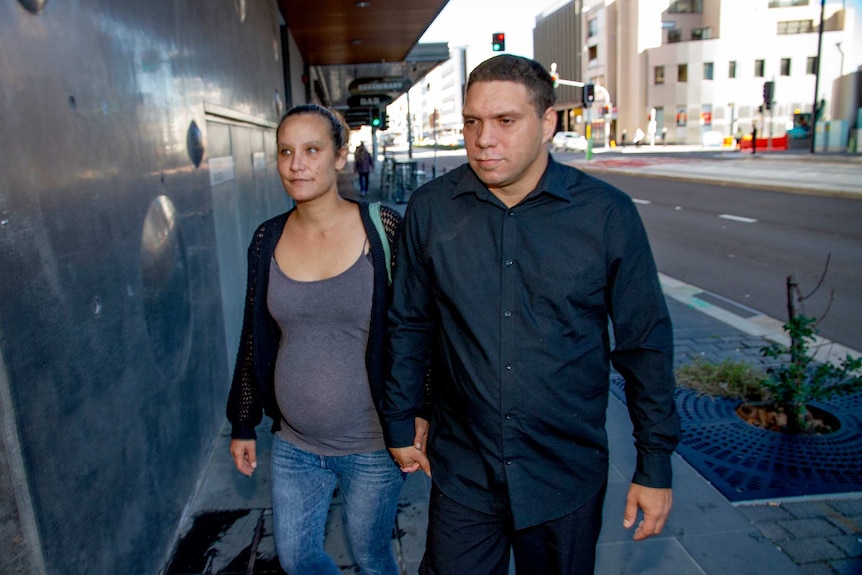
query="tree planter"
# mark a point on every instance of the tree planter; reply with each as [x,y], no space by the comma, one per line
[746,463]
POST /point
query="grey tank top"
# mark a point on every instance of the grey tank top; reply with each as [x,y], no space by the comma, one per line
[321,382]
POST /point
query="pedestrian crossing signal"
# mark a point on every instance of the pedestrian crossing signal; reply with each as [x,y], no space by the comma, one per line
[498,42]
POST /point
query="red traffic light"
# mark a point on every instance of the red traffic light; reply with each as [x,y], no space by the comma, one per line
[498,41]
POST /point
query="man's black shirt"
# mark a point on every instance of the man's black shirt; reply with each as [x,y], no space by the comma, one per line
[513,305]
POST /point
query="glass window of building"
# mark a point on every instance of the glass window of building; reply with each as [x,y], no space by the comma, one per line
[686,7]
[681,117]
[759,68]
[731,69]
[674,35]
[682,73]
[701,34]
[795,27]
[811,65]
[707,70]
[659,75]
[593,53]
[592,27]
[785,66]
[786,3]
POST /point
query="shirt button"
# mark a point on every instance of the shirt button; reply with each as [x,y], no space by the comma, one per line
[509,263]
[508,314]
[508,462]
[508,417]
[511,212]
[509,366]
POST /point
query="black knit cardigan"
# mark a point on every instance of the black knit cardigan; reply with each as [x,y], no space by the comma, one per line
[252,391]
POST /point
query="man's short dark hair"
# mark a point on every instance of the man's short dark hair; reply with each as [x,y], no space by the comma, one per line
[510,68]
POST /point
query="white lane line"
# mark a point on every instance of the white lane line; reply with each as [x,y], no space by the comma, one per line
[738,219]
[637,201]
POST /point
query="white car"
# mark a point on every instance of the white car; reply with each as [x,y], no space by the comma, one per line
[569,141]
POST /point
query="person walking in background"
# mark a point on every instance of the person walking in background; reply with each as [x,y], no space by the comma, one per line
[363,163]
[509,268]
[311,356]
[753,138]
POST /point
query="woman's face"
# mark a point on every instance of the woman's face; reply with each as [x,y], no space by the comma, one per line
[307,159]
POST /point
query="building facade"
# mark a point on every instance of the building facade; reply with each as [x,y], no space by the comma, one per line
[693,71]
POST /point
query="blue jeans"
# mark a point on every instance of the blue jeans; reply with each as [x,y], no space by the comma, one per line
[363,183]
[302,487]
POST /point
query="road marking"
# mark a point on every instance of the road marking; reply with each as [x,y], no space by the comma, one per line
[738,219]
[637,201]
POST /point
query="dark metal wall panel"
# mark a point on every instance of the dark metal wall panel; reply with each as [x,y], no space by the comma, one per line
[112,336]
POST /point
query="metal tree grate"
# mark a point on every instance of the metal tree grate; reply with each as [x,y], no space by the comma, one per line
[746,463]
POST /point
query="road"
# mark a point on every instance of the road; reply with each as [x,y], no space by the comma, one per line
[742,244]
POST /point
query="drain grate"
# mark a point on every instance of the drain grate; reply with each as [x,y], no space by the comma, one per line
[746,463]
[727,305]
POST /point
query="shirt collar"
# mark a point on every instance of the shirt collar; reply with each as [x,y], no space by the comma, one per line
[553,182]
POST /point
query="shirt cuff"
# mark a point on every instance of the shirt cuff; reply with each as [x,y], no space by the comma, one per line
[399,433]
[654,471]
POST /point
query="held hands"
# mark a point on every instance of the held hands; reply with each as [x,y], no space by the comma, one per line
[413,458]
[656,504]
[244,455]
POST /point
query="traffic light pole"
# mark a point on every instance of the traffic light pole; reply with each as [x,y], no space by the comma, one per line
[598,88]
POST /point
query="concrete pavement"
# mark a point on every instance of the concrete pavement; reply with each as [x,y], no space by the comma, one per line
[228,526]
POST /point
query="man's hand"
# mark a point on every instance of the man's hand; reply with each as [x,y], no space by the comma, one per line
[413,458]
[656,504]
[244,455]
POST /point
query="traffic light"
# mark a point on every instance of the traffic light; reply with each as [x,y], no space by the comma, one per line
[376,119]
[589,94]
[498,42]
[555,78]
[768,93]
[384,121]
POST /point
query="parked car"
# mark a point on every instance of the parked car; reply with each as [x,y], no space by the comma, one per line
[569,141]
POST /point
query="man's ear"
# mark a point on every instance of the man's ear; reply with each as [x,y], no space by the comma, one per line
[549,123]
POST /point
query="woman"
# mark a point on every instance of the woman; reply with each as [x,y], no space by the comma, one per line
[311,356]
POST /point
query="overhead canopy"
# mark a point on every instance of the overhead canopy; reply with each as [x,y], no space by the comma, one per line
[346,40]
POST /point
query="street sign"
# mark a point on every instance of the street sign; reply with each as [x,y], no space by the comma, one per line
[366,101]
[376,86]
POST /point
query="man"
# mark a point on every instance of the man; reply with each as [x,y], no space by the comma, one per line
[508,270]
[363,163]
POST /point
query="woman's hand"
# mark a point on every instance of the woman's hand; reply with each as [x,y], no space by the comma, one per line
[244,455]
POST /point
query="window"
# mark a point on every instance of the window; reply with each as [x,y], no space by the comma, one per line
[701,34]
[785,66]
[659,75]
[682,73]
[731,69]
[811,65]
[759,68]
[681,117]
[686,7]
[707,70]
[593,53]
[674,35]
[795,27]
[786,3]
[592,27]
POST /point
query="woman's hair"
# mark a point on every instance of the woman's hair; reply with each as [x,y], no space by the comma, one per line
[337,129]
[510,68]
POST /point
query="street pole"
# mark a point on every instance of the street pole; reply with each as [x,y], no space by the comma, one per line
[817,75]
